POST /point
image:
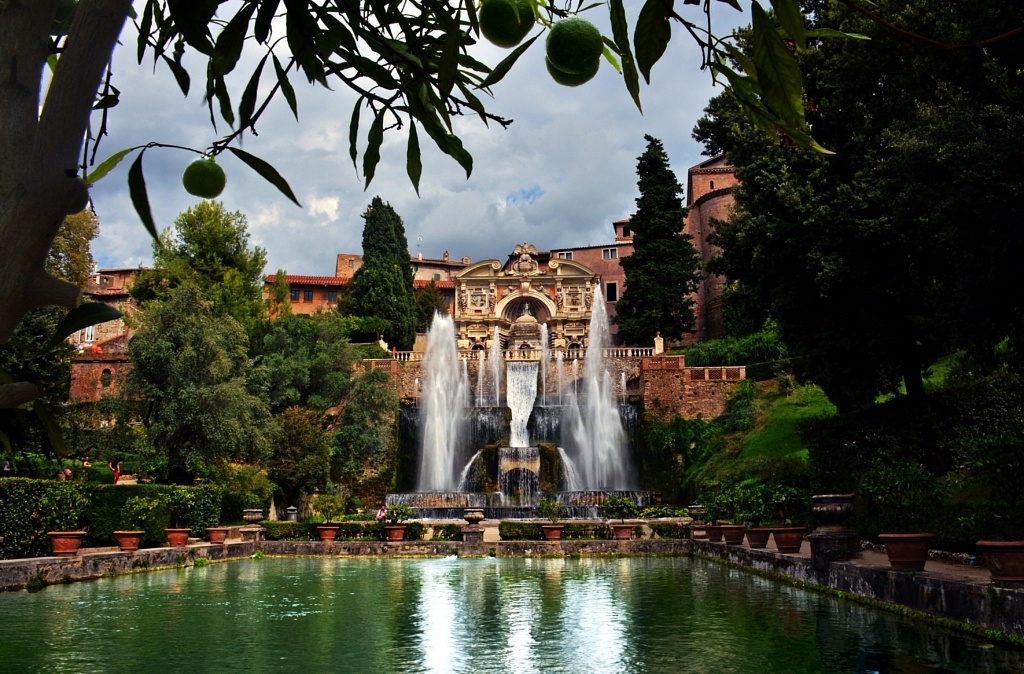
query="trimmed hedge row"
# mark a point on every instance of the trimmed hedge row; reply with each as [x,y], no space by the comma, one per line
[347,531]
[29,508]
[512,530]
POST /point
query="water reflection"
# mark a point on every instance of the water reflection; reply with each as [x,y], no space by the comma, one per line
[450,615]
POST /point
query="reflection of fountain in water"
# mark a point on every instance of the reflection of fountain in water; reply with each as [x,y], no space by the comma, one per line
[443,408]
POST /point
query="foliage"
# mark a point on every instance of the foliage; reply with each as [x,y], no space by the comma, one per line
[448,532]
[653,512]
[869,261]
[670,530]
[428,301]
[753,348]
[329,505]
[305,360]
[397,513]
[243,486]
[191,375]
[663,270]
[667,450]
[512,530]
[366,442]
[550,509]
[281,530]
[188,507]
[29,508]
[144,513]
[301,459]
[382,286]
[620,508]
[209,246]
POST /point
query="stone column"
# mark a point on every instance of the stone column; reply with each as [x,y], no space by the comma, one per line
[832,541]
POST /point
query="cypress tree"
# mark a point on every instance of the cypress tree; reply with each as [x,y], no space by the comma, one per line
[664,269]
[382,286]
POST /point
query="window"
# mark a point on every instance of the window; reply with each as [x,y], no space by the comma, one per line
[106,377]
[351,263]
[332,296]
[565,255]
[307,295]
[611,291]
[294,295]
[626,233]
[610,253]
[437,277]
[90,333]
[712,184]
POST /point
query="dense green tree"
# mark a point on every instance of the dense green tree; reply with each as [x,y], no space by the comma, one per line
[366,443]
[382,286]
[209,246]
[878,259]
[301,460]
[429,301]
[192,383]
[664,268]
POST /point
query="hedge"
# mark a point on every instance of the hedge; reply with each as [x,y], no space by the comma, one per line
[201,507]
[347,531]
[29,508]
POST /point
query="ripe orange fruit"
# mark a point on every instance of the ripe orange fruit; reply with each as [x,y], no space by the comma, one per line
[506,22]
[204,178]
[573,45]
[570,80]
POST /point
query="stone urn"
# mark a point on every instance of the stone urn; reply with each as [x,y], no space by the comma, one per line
[832,541]
[832,510]
[252,515]
[473,515]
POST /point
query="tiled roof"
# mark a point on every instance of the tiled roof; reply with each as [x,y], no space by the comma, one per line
[440,284]
[315,280]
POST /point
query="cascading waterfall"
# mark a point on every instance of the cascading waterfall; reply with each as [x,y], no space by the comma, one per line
[444,402]
[622,385]
[558,370]
[544,355]
[596,439]
[496,363]
[480,377]
[520,394]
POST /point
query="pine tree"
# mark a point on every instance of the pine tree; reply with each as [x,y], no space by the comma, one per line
[382,286]
[664,269]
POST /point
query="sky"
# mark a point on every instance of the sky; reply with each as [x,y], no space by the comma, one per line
[557,177]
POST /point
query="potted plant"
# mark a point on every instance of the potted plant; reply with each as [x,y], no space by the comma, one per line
[552,511]
[725,503]
[65,505]
[712,530]
[136,513]
[753,509]
[786,502]
[179,502]
[329,506]
[902,492]
[394,518]
[619,508]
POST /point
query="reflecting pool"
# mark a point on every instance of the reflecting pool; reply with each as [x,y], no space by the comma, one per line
[650,615]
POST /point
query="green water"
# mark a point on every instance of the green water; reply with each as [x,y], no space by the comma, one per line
[643,615]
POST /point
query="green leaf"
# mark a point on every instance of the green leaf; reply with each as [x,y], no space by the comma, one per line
[8,450]
[448,69]
[140,200]
[107,165]
[82,316]
[353,132]
[620,31]
[220,92]
[732,3]
[791,20]
[413,162]
[372,154]
[447,143]
[506,64]
[777,72]
[261,29]
[286,87]
[267,172]
[50,426]
[192,17]
[181,75]
[231,40]
[832,32]
[653,31]
[743,60]
[248,102]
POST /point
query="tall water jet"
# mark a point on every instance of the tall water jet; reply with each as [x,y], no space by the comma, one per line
[497,360]
[544,355]
[480,377]
[596,439]
[443,408]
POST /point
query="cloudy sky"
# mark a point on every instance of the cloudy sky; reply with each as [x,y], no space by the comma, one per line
[557,177]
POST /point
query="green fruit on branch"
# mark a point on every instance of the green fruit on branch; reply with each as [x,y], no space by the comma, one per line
[574,45]
[506,22]
[79,196]
[571,80]
[204,178]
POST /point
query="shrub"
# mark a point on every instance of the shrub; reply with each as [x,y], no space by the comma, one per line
[397,514]
[672,530]
[145,513]
[29,508]
[619,508]
[448,532]
[550,509]
[511,530]
[329,505]
[289,531]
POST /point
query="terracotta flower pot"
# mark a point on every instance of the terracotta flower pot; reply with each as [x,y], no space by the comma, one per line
[906,552]
[66,543]
[733,533]
[217,535]
[757,537]
[788,539]
[327,532]
[552,532]
[1005,559]
[622,532]
[713,533]
[395,532]
[177,538]
[128,541]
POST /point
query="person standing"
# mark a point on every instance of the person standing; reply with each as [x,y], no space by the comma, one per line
[115,468]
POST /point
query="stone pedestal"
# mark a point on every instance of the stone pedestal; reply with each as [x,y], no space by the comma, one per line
[473,533]
[832,541]
[252,532]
